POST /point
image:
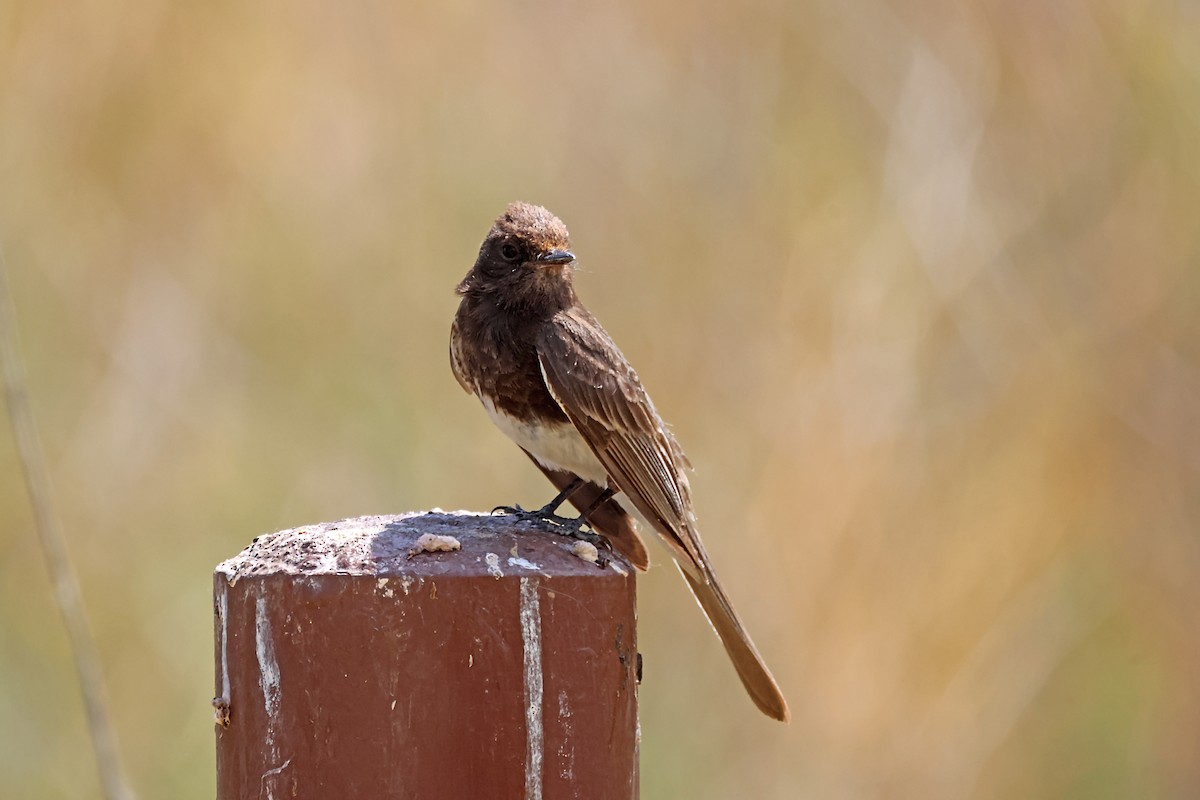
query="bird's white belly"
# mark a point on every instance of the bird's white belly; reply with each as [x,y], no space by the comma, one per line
[555,446]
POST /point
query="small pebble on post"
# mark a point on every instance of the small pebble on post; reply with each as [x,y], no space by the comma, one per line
[439,655]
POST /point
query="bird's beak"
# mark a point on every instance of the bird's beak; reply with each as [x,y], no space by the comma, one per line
[556,257]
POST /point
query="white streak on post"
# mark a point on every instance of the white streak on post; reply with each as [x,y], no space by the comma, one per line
[264,786]
[531,638]
[223,613]
[268,673]
[566,750]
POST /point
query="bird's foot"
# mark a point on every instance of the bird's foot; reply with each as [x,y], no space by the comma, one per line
[544,515]
[547,520]
[573,529]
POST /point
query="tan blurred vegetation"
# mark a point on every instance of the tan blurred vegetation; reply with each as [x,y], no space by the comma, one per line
[917,285]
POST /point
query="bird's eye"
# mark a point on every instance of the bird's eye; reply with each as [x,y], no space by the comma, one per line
[509,251]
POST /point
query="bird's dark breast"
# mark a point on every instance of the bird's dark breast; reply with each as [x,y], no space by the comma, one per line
[500,359]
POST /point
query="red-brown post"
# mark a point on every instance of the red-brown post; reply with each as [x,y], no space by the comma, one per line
[367,658]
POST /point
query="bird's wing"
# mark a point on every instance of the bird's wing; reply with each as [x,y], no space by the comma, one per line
[456,362]
[594,384]
[601,394]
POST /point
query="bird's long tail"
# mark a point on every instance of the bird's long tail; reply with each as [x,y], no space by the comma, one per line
[751,668]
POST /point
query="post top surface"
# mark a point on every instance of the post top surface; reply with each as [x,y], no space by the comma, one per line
[387,546]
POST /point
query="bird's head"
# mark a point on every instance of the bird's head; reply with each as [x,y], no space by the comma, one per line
[525,257]
[528,236]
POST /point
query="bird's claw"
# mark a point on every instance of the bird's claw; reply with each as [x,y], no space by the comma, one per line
[546,519]
[573,529]
[546,516]
[576,531]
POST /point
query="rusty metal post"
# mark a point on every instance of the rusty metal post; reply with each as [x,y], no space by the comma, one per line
[366,659]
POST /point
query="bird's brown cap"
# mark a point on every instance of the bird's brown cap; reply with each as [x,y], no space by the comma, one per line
[533,225]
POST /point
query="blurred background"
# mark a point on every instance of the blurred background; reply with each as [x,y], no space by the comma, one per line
[915,284]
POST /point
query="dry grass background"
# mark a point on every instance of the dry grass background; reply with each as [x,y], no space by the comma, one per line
[916,284]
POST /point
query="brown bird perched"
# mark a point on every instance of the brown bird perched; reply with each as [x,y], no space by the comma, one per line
[552,379]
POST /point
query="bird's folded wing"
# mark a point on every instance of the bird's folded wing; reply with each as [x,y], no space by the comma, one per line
[601,394]
[456,360]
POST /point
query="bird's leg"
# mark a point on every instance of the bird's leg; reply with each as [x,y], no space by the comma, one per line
[547,512]
[574,528]
[603,498]
[550,508]
[564,526]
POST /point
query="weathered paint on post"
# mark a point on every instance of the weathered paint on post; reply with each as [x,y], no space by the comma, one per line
[352,663]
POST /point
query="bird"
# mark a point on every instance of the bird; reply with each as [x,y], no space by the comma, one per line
[553,380]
